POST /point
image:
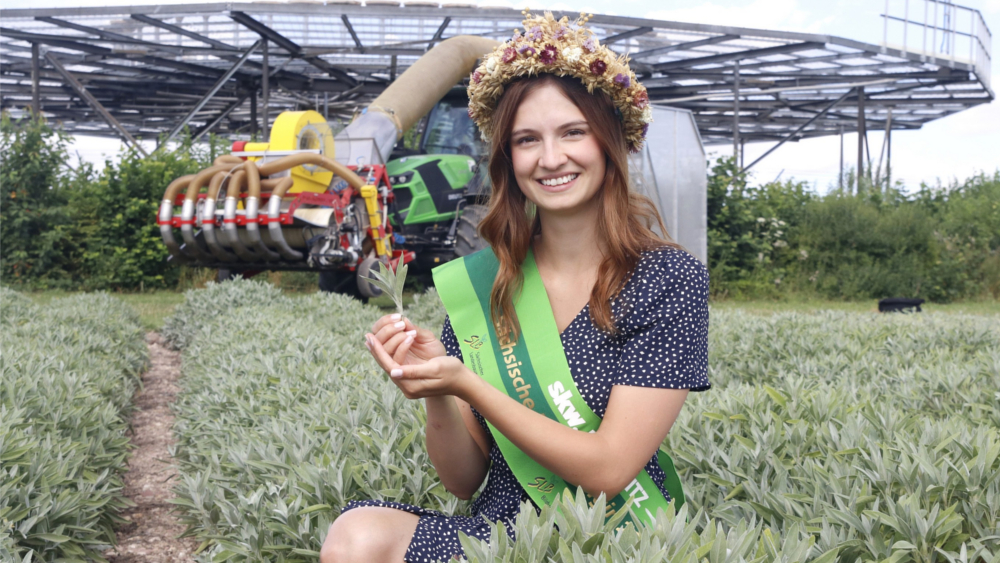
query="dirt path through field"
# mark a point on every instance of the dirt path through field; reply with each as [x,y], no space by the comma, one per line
[151,537]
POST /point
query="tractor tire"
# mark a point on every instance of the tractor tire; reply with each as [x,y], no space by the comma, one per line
[366,288]
[339,282]
[467,237]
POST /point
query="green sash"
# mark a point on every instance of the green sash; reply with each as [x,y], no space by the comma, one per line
[533,371]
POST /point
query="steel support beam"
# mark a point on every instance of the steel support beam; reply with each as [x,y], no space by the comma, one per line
[92,102]
[862,137]
[218,119]
[683,46]
[627,34]
[440,32]
[265,87]
[736,113]
[36,99]
[181,31]
[253,114]
[292,47]
[108,35]
[797,131]
[750,54]
[350,29]
[211,92]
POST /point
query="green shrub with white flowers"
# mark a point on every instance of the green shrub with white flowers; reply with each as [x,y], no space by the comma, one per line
[829,437]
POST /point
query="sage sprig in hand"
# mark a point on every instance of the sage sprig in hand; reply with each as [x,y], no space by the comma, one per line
[391,282]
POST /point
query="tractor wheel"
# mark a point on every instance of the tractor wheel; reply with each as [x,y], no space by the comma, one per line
[467,237]
[340,282]
[366,288]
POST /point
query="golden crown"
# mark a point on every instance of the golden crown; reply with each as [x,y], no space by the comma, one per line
[563,49]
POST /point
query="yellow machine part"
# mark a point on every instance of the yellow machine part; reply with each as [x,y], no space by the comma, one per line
[300,130]
[382,245]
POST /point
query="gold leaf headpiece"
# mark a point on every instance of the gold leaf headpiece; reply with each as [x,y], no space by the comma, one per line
[557,47]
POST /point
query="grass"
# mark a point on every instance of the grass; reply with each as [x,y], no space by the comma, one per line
[155,306]
[152,306]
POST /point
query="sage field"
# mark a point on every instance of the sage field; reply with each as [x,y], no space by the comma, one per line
[69,371]
[833,436]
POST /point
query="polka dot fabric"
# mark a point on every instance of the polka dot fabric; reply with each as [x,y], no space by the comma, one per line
[662,317]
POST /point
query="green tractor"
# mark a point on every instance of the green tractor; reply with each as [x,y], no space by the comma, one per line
[440,190]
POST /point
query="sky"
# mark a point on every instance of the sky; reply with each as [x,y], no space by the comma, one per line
[944,151]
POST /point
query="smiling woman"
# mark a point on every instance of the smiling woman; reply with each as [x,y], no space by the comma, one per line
[572,342]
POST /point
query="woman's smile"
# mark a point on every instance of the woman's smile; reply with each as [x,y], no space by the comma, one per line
[558,183]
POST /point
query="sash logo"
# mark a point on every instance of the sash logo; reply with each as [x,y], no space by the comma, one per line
[475,343]
[562,397]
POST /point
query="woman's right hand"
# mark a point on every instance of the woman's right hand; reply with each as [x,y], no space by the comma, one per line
[392,330]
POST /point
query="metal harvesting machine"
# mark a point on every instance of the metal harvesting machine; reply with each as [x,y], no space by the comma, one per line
[338,204]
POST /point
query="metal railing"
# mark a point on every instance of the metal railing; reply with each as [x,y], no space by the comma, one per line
[941,32]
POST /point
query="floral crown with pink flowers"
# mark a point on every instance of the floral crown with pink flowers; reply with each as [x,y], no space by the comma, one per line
[563,49]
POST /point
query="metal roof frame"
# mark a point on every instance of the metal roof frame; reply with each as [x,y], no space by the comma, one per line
[154,66]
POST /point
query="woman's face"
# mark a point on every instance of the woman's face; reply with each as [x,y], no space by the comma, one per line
[558,163]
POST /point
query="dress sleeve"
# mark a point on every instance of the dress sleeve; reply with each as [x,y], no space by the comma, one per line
[666,330]
[449,339]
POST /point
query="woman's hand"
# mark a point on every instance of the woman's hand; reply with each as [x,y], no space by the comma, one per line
[435,377]
[392,330]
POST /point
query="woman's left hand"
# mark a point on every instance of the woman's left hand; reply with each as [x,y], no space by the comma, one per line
[443,375]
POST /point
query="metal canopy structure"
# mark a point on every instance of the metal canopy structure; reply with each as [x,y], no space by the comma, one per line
[149,70]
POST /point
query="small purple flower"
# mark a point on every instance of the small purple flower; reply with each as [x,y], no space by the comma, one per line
[549,54]
[527,51]
[645,129]
[598,67]
[590,44]
[517,36]
[476,77]
[561,32]
[509,54]
[535,33]
[622,80]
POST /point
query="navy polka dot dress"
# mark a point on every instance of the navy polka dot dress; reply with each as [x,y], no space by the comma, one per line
[662,317]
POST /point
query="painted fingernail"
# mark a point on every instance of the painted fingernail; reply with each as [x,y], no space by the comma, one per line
[396,316]
[396,373]
[411,333]
[409,340]
[400,324]
[368,345]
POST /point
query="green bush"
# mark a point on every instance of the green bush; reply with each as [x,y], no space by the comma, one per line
[827,437]
[35,221]
[115,218]
[79,229]
[780,239]
[69,372]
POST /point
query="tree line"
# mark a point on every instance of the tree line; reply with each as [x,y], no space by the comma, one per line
[80,229]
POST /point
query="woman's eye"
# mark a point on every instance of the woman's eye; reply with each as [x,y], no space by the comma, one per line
[524,140]
[576,132]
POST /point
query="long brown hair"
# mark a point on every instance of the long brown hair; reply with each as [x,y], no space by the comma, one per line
[625,225]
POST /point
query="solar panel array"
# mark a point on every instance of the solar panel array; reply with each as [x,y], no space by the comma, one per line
[151,66]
